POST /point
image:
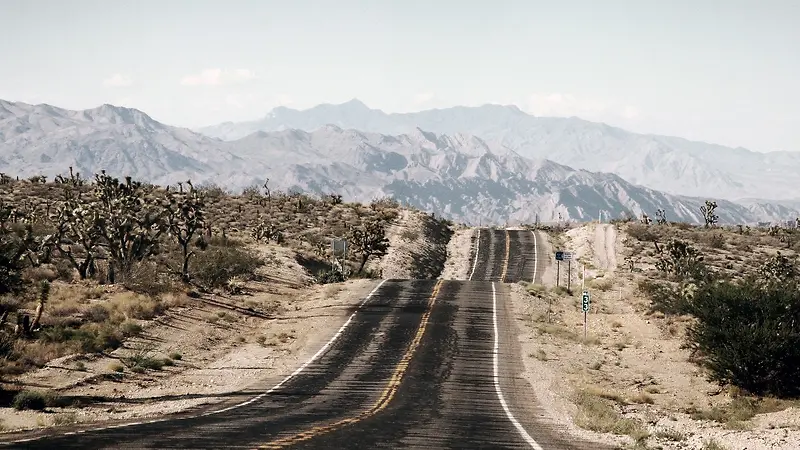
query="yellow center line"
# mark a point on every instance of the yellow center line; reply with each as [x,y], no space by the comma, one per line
[505,262]
[387,394]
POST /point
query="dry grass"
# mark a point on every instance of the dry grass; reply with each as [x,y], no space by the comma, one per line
[596,412]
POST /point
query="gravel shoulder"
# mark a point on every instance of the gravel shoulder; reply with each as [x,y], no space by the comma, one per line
[631,360]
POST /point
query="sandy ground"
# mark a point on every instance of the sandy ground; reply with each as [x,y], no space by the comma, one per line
[628,355]
[417,248]
[221,350]
[458,263]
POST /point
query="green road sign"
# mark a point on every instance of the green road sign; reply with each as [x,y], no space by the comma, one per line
[585,303]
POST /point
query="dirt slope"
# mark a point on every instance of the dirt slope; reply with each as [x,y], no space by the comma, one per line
[631,362]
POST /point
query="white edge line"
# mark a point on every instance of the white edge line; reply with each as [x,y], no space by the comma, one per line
[309,361]
[477,249]
[535,258]
[527,437]
[247,402]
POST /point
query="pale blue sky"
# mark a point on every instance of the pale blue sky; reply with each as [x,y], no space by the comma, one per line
[719,71]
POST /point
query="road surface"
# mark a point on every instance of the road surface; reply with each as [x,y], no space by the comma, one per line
[421,364]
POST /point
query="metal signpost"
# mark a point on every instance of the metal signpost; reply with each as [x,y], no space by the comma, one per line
[559,258]
[563,256]
[586,298]
[568,259]
[339,252]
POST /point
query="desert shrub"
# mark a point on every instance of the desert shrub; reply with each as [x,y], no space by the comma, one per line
[6,344]
[641,232]
[747,334]
[90,338]
[682,261]
[668,298]
[716,240]
[224,241]
[136,306]
[33,400]
[214,267]
[144,277]
[330,276]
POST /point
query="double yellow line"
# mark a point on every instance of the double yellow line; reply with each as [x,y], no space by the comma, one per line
[387,394]
[505,262]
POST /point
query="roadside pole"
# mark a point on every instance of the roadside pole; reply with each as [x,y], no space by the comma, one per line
[583,277]
[569,273]
[559,258]
[585,299]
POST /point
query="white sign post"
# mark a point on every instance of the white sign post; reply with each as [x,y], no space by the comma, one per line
[585,300]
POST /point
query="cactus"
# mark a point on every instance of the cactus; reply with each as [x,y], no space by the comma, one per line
[77,224]
[130,227]
[368,240]
[708,213]
[661,217]
[185,218]
[681,259]
[74,179]
[266,231]
[44,295]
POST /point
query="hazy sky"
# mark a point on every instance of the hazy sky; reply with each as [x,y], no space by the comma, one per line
[721,71]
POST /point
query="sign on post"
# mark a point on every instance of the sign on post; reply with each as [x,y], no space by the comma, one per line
[585,299]
[563,256]
[339,254]
[339,247]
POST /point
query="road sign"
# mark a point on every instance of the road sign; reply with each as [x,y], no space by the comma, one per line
[339,247]
[567,256]
[559,256]
[585,301]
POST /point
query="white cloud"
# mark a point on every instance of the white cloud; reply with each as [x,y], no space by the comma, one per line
[423,98]
[563,105]
[630,112]
[568,105]
[118,80]
[283,100]
[217,77]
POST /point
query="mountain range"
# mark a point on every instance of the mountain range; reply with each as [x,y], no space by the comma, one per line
[669,164]
[457,175]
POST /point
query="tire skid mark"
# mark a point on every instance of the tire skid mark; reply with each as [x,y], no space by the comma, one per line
[386,396]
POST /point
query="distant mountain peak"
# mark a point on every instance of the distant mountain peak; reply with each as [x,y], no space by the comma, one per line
[355,103]
[669,164]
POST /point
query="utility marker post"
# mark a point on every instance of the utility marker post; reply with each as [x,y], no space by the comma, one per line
[569,273]
[339,254]
[559,258]
[568,258]
[583,278]
[585,299]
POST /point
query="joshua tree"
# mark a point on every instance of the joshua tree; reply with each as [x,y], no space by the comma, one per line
[369,240]
[184,219]
[661,217]
[708,213]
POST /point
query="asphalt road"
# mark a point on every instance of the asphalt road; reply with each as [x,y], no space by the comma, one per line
[422,364]
[507,255]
